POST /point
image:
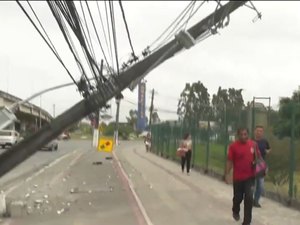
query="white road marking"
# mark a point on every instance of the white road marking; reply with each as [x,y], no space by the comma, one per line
[12,188]
[139,202]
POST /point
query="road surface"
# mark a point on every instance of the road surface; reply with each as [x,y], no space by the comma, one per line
[77,189]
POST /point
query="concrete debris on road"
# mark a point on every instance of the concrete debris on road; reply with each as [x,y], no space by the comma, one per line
[29,210]
[46,196]
[60,211]
[74,190]
[27,195]
[38,201]
[35,185]
[90,191]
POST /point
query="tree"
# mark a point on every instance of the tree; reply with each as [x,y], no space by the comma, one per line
[286,106]
[194,103]
[232,101]
[132,119]
[155,118]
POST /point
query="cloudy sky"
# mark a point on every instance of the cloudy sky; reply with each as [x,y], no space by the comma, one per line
[261,57]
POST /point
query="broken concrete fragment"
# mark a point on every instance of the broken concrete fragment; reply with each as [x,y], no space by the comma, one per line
[38,201]
[29,210]
[74,190]
[17,209]
[60,211]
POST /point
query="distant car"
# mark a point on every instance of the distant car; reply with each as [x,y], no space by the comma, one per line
[9,138]
[64,136]
[52,145]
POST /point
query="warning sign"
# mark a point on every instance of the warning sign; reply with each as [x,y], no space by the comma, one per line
[105,144]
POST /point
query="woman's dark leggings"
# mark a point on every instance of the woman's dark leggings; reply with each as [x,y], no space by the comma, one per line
[187,158]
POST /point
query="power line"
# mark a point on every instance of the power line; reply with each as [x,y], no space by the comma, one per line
[96,33]
[170,25]
[126,25]
[111,8]
[54,51]
[181,26]
[66,34]
[88,31]
[108,29]
[90,45]
[158,109]
[104,33]
[186,23]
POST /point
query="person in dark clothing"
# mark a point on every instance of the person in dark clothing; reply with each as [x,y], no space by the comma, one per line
[264,148]
[187,146]
[240,158]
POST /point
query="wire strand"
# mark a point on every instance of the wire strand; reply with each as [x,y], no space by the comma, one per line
[111,8]
[104,55]
[109,35]
[104,33]
[57,56]
[126,25]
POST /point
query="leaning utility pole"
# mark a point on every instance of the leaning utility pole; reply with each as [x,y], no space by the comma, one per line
[111,87]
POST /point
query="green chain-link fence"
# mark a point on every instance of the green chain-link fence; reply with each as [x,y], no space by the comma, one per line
[211,138]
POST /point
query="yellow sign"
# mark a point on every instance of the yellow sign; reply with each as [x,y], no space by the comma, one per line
[105,144]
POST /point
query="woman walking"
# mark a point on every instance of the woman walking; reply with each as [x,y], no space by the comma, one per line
[186,145]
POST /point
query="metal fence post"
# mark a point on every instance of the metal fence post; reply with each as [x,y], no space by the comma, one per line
[207,146]
[194,142]
[292,155]
[253,118]
[225,138]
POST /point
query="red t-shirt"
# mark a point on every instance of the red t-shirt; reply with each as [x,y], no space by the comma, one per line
[242,156]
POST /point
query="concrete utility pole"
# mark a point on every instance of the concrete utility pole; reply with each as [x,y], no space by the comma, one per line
[151,108]
[118,101]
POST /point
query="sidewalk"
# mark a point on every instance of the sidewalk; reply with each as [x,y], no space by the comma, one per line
[170,197]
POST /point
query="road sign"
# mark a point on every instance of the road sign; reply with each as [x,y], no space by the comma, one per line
[106,144]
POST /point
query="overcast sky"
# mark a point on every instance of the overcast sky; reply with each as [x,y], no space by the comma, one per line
[262,57]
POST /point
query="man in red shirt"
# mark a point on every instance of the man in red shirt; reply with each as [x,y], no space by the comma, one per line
[241,159]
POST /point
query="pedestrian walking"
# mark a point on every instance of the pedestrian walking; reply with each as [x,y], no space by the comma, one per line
[147,141]
[240,158]
[264,148]
[186,145]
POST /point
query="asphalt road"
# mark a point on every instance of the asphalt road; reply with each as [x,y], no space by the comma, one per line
[80,187]
[39,160]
